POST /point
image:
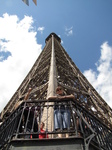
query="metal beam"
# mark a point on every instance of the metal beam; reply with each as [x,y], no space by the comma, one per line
[52,84]
[52,75]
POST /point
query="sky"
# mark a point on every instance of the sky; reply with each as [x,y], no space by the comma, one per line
[84,26]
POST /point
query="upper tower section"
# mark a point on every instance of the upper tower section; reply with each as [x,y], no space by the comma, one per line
[50,36]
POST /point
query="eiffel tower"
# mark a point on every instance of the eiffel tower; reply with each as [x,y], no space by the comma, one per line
[90,116]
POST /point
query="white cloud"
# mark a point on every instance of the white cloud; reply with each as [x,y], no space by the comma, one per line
[62,42]
[61,39]
[19,39]
[1,58]
[102,79]
[41,29]
[69,31]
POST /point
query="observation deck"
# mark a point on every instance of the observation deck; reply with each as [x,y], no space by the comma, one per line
[85,133]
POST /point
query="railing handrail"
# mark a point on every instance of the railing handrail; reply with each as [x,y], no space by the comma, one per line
[103,131]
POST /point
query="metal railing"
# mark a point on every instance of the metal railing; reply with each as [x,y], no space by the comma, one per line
[24,122]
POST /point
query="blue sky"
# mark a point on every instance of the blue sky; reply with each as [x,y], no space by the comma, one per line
[85,27]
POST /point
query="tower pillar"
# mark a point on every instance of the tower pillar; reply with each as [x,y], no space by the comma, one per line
[48,112]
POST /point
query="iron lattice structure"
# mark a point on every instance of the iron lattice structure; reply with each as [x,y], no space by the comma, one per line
[55,68]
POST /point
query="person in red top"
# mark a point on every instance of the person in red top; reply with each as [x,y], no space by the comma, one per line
[43,134]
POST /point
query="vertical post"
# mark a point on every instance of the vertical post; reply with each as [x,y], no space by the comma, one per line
[48,113]
[52,76]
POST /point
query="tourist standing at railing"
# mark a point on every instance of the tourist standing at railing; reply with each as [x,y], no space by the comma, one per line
[61,111]
[42,134]
[30,118]
[29,121]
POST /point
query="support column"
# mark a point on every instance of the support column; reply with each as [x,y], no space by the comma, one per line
[52,75]
[48,113]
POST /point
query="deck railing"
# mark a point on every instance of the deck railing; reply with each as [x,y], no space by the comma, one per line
[24,122]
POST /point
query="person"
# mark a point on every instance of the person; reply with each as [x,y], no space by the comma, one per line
[29,121]
[42,134]
[30,117]
[61,111]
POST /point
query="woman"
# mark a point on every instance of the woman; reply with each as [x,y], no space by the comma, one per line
[61,111]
